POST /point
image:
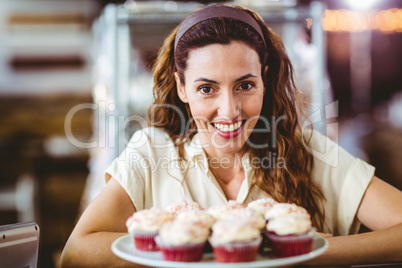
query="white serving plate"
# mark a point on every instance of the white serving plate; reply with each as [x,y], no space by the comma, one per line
[125,249]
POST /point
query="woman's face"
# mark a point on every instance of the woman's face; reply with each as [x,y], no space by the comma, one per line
[224,89]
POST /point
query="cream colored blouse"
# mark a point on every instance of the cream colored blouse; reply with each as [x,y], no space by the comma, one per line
[150,171]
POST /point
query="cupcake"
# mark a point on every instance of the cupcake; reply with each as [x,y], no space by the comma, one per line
[182,241]
[290,235]
[254,218]
[144,225]
[220,211]
[198,217]
[235,241]
[283,209]
[261,205]
[245,214]
[180,206]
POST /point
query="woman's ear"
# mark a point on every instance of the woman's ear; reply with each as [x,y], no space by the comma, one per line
[180,88]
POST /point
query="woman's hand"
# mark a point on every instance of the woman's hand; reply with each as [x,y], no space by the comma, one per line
[324,235]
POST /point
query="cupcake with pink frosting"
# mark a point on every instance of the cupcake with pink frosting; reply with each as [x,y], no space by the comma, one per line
[290,235]
[144,225]
[235,240]
[182,241]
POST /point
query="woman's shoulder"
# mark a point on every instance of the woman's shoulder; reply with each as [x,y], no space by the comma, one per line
[151,136]
[323,148]
[315,139]
[151,131]
[150,141]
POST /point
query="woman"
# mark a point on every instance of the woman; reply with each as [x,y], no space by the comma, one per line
[220,78]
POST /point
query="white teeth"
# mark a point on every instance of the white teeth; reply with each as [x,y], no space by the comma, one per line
[228,128]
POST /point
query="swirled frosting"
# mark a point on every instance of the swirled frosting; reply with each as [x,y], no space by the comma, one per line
[197,217]
[262,205]
[148,220]
[245,214]
[184,205]
[225,231]
[283,209]
[179,232]
[220,211]
[290,224]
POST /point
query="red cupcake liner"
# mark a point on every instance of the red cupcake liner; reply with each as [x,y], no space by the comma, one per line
[291,245]
[238,251]
[145,241]
[181,253]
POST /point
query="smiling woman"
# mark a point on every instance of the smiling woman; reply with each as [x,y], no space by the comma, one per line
[225,103]
[229,69]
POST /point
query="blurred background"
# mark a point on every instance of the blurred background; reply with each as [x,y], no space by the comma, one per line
[75,83]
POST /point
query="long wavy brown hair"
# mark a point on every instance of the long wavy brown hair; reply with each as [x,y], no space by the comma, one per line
[282,99]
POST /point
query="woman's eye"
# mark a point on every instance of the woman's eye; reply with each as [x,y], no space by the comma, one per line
[245,86]
[205,89]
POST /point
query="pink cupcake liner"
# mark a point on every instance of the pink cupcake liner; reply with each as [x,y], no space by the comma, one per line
[145,241]
[291,245]
[180,253]
[238,251]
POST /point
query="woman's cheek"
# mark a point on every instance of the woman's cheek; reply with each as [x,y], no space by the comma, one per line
[202,106]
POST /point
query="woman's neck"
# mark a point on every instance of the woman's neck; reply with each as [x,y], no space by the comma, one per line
[226,167]
[228,171]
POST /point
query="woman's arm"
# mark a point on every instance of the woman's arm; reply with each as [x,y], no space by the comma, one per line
[101,223]
[380,211]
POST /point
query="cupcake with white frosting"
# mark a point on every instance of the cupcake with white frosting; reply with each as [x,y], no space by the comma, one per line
[262,205]
[184,205]
[197,217]
[182,241]
[235,240]
[290,235]
[245,214]
[219,211]
[144,225]
[284,209]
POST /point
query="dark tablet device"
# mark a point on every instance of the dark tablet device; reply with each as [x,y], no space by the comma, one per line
[19,245]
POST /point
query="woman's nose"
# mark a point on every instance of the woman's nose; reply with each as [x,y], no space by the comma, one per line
[229,106]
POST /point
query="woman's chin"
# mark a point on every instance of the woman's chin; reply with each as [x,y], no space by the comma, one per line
[224,142]
[224,146]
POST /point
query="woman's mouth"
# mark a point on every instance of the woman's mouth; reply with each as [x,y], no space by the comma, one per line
[228,130]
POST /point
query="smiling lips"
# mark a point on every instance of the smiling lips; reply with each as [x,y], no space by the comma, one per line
[228,130]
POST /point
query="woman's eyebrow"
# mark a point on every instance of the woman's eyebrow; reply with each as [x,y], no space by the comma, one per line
[244,77]
[214,82]
[205,80]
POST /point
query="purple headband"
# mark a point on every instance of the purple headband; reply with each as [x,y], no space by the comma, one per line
[216,11]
